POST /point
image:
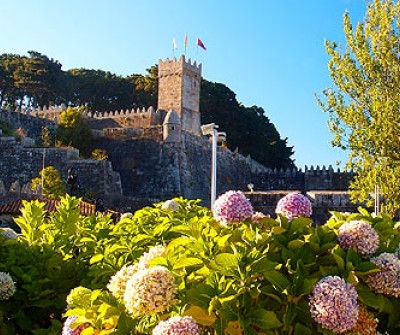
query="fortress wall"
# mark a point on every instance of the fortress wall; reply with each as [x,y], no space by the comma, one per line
[142,166]
[150,169]
[22,164]
[139,118]
[295,179]
[322,201]
[30,123]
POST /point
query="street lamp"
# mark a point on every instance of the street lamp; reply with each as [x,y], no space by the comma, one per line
[211,129]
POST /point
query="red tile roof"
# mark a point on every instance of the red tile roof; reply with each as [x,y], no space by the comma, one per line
[14,207]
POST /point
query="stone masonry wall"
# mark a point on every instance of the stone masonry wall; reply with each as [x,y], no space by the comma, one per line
[322,201]
[296,179]
[160,171]
[179,89]
[19,163]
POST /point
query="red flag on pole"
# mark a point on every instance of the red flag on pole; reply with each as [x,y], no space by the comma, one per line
[201,44]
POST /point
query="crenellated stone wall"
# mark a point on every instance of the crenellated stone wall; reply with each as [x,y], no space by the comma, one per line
[309,179]
[322,202]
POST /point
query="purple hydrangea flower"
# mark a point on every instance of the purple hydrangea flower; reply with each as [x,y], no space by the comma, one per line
[177,325]
[359,235]
[67,330]
[294,205]
[386,281]
[333,304]
[232,207]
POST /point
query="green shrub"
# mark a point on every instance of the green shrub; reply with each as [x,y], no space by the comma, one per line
[43,280]
[248,277]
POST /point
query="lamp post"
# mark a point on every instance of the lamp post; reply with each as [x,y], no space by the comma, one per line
[377,204]
[211,129]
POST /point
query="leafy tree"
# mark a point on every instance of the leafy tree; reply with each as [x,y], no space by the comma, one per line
[99,90]
[50,181]
[364,105]
[9,63]
[249,129]
[39,78]
[146,87]
[74,131]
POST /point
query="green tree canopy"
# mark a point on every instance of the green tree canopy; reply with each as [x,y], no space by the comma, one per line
[74,131]
[146,87]
[50,181]
[248,129]
[98,90]
[364,105]
[9,63]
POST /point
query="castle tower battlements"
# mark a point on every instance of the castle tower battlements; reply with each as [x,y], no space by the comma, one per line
[179,89]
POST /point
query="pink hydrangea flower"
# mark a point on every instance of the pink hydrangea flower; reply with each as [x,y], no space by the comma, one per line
[177,325]
[359,235]
[333,304]
[387,281]
[294,205]
[232,207]
[67,330]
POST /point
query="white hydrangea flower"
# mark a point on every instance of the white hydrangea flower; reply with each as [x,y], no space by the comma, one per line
[150,291]
[170,205]
[117,283]
[154,252]
[7,286]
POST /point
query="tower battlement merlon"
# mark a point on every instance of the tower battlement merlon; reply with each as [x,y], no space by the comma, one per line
[175,66]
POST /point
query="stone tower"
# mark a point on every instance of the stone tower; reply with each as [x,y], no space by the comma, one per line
[172,127]
[179,89]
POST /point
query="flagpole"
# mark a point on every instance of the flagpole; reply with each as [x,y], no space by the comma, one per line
[185,42]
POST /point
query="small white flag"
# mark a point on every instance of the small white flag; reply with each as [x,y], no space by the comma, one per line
[174,45]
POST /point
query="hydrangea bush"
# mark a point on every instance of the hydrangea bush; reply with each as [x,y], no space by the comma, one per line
[387,280]
[7,286]
[228,274]
[69,329]
[231,207]
[150,291]
[359,235]
[294,205]
[333,304]
[177,325]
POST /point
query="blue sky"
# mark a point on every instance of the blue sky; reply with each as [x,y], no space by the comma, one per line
[270,53]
